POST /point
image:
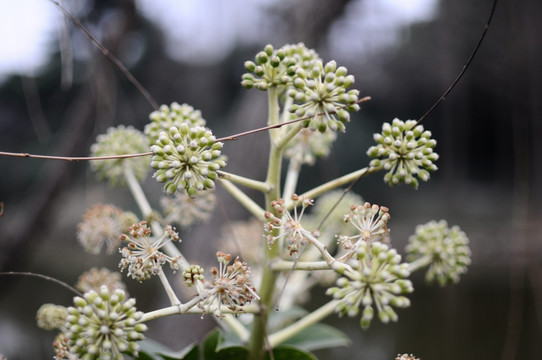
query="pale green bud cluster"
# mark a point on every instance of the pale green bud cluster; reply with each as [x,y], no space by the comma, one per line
[375,279]
[320,94]
[405,150]
[173,115]
[51,316]
[121,140]
[272,68]
[193,274]
[103,325]
[447,248]
[187,158]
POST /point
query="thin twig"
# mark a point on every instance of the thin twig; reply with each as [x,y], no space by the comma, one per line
[110,56]
[45,277]
[74,158]
[443,97]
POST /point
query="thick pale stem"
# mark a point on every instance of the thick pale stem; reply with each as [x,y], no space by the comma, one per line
[167,287]
[283,265]
[191,308]
[300,325]
[321,247]
[419,263]
[241,180]
[137,192]
[243,199]
[292,175]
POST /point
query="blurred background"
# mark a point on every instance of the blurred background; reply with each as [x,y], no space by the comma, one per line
[58,92]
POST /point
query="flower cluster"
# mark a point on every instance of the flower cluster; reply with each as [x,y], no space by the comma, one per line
[142,255]
[193,274]
[185,210]
[445,249]
[187,158]
[121,140]
[320,95]
[103,325]
[173,115]
[376,278]
[308,145]
[95,278]
[406,357]
[51,316]
[287,226]
[102,226]
[272,68]
[231,287]
[405,150]
[371,223]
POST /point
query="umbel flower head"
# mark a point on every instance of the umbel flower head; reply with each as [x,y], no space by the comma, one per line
[371,223]
[103,325]
[51,316]
[274,68]
[445,249]
[288,227]
[405,150]
[308,145]
[187,158]
[142,255]
[173,115]
[231,287]
[185,210]
[94,278]
[406,357]
[376,279]
[320,95]
[121,140]
[101,227]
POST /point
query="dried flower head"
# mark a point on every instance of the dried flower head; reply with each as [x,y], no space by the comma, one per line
[142,255]
[287,226]
[406,357]
[187,158]
[185,210]
[308,145]
[121,140]
[173,115]
[103,325]
[274,68]
[445,249]
[375,279]
[62,349]
[102,226]
[371,223]
[231,287]
[405,150]
[320,94]
[51,316]
[95,278]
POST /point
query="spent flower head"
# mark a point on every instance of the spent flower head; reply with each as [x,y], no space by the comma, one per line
[405,150]
[231,286]
[288,227]
[51,316]
[185,210]
[173,115]
[406,357]
[445,249]
[120,140]
[101,227]
[187,158]
[320,95]
[94,278]
[142,256]
[103,325]
[308,145]
[375,279]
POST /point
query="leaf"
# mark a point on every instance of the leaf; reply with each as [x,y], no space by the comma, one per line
[319,336]
[191,352]
[210,344]
[233,353]
[152,350]
[290,353]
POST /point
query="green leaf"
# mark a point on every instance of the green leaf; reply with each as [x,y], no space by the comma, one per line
[213,348]
[290,353]
[233,353]
[210,343]
[191,352]
[152,350]
[319,336]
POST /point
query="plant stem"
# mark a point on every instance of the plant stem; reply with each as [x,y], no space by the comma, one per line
[137,192]
[306,321]
[419,263]
[246,201]
[292,175]
[283,265]
[167,287]
[241,180]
